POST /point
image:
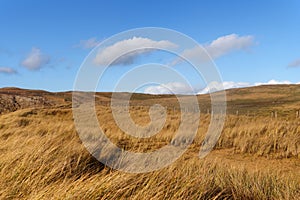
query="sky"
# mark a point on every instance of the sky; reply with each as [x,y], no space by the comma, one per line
[43,44]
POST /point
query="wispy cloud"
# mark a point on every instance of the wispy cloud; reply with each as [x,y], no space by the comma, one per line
[142,46]
[170,88]
[295,63]
[87,44]
[35,60]
[275,82]
[218,47]
[215,86]
[182,88]
[229,43]
[7,70]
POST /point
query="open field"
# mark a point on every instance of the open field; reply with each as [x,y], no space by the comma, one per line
[256,157]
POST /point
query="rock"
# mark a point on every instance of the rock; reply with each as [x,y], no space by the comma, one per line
[12,102]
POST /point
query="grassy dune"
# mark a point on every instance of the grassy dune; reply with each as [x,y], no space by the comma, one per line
[43,158]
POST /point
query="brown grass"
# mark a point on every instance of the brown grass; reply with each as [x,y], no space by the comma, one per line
[42,158]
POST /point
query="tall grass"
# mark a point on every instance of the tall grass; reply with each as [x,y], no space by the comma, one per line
[42,158]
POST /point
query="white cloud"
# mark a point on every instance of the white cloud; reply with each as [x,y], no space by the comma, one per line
[219,47]
[181,88]
[170,88]
[88,44]
[274,82]
[216,86]
[35,59]
[142,46]
[226,44]
[7,70]
[295,63]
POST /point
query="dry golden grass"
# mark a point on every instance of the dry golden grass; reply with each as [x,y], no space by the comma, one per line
[42,158]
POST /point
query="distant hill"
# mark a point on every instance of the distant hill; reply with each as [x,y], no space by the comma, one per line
[284,99]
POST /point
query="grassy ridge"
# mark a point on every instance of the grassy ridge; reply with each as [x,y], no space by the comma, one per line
[253,101]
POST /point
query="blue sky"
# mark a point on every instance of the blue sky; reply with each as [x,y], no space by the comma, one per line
[43,43]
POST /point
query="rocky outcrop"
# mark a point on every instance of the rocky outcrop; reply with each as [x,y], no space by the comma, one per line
[12,102]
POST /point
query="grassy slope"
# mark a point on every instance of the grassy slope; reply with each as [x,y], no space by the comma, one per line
[255,158]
